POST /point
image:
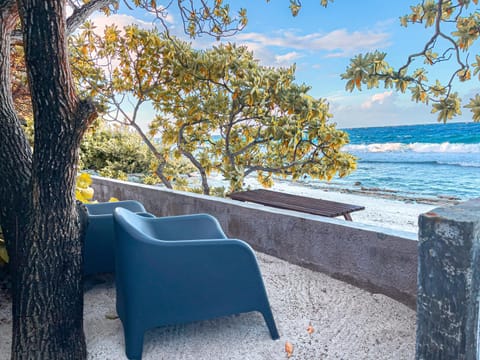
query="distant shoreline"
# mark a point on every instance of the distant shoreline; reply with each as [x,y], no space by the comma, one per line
[382,193]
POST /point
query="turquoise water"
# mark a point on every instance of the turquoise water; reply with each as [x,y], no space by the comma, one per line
[416,161]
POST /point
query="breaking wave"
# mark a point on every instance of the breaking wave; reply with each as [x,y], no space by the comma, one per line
[445,147]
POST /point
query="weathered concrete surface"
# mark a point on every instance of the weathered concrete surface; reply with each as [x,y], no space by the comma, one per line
[448,283]
[376,259]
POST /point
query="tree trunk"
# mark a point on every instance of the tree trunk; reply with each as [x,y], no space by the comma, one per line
[37,202]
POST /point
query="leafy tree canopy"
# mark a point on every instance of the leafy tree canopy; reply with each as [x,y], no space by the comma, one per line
[217,108]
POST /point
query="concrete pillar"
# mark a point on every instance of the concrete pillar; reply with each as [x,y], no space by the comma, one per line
[448,283]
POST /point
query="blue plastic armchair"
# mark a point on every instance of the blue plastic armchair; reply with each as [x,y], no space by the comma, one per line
[99,241]
[181,269]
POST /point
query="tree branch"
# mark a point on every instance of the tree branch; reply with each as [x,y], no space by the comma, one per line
[180,141]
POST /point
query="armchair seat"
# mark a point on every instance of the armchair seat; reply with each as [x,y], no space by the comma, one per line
[181,269]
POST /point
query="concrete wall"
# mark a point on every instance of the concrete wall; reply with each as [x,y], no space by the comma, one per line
[377,259]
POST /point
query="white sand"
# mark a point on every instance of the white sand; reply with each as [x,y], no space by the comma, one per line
[349,323]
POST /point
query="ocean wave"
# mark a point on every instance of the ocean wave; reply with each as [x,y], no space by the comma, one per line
[461,163]
[445,147]
[420,162]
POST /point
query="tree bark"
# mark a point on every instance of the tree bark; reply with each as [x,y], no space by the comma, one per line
[38,210]
[15,152]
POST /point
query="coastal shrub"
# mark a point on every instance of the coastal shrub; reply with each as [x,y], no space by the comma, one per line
[114,151]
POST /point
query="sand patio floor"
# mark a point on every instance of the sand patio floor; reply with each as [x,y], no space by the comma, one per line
[348,323]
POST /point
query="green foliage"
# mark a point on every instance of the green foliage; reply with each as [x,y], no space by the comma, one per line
[117,151]
[446,44]
[217,108]
[474,105]
[296,5]
[265,122]
[114,152]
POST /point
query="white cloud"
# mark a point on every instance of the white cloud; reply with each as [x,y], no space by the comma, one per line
[284,47]
[287,59]
[376,98]
[397,109]
[338,43]
[270,49]
[121,20]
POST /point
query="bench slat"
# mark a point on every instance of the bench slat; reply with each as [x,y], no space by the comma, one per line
[296,202]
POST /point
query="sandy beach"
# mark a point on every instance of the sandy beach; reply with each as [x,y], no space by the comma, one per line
[349,323]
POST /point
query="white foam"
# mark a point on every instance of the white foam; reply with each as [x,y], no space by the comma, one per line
[445,147]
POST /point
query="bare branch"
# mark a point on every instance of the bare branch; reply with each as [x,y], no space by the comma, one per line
[81,14]
[78,17]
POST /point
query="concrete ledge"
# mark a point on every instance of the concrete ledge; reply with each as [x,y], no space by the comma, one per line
[376,259]
[449,283]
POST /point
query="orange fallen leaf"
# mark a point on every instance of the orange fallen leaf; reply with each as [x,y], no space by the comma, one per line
[288,348]
[310,329]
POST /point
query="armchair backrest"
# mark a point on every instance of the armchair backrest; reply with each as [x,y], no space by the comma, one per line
[108,207]
[128,221]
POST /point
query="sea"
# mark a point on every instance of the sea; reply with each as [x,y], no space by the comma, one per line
[433,161]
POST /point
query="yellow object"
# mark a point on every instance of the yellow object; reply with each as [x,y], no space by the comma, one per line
[3,252]
[83,191]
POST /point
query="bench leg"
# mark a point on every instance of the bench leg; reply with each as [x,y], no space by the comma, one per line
[347,217]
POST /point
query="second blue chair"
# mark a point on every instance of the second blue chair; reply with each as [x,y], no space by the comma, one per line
[98,248]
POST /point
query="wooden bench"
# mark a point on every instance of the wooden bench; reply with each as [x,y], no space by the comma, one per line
[297,203]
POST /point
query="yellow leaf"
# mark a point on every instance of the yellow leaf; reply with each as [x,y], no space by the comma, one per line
[113,199]
[84,180]
[288,348]
[4,255]
[87,193]
[358,82]
[80,197]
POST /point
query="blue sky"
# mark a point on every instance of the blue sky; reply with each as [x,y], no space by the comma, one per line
[321,41]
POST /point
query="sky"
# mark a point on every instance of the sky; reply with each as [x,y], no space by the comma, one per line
[321,42]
